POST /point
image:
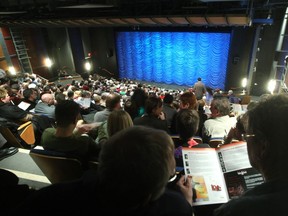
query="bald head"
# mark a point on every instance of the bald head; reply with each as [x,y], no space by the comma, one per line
[47,98]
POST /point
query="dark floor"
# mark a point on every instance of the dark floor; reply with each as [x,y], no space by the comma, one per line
[24,167]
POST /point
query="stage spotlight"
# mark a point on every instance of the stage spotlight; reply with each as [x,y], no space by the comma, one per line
[271,85]
[12,71]
[244,82]
[48,63]
[88,66]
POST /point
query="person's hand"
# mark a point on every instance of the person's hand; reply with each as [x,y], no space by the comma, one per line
[185,186]
[162,116]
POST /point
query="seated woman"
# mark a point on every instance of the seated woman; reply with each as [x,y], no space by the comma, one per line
[187,122]
[117,120]
[65,138]
[153,117]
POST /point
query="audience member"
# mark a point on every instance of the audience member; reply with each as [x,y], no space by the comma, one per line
[10,111]
[136,105]
[202,117]
[267,150]
[187,101]
[117,120]
[96,106]
[134,168]
[31,97]
[220,123]
[46,105]
[169,110]
[232,98]
[11,190]
[64,138]
[113,102]
[236,133]
[153,117]
[187,122]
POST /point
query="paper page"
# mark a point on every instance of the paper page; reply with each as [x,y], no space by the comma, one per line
[207,177]
[239,181]
[84,102]
[233,156]
[23,105]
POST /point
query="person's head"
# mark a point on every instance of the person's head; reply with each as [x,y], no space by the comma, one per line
[153,105]
[135,165]
[168,98]
[220,106]
[118,120]
[66,113]
[113,101]
[230,92]
[59,97]
[266,136]
[30,94]
[4,97]
[70,95]
[188,101]
[187,122]
[199,79]
[48,98]
[139,97]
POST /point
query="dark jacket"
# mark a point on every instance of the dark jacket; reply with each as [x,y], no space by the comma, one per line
[151,121]
[86,197]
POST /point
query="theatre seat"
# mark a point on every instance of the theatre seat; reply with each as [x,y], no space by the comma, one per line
[216,142]
[56,166]
[18,136]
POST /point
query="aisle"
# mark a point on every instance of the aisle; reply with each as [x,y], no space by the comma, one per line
[22,165]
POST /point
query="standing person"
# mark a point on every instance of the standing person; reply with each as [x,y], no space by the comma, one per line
[267,150]
[135,166]
[199,89]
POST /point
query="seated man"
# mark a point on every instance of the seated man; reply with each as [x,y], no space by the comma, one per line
[10,111]
[135,166]
[64,138]
[14,114]
[46,106]
[30,97]
[266,137]
[220,123]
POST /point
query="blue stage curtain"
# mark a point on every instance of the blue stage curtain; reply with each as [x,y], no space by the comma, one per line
[173,57]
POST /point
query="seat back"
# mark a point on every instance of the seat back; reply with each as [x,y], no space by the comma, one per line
[56,166]
[216,142]
[27,133]
[18,136]
[198,139]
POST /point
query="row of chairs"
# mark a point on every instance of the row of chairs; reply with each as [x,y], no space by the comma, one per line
[57,167]
[213,142]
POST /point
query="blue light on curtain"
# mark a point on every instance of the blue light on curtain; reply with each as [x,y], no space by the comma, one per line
[173,57]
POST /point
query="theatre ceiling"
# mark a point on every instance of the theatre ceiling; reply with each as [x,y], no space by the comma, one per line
[102,13]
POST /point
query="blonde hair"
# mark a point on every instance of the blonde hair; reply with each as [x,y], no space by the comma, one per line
[118,120]
[3,93]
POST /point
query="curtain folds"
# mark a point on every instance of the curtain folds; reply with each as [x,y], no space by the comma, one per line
[173,57]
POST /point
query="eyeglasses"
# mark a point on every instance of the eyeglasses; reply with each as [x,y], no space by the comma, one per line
[246,136]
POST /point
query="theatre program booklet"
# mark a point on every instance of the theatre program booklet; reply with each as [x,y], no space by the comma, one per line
[220,174]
